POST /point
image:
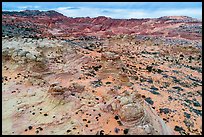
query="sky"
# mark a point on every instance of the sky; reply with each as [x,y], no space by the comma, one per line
[120,10]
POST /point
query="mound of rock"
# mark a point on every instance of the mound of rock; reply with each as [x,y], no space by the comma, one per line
[109,56]
[56,89]
[135,115]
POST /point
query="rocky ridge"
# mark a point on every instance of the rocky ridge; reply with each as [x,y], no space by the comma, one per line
[53,24]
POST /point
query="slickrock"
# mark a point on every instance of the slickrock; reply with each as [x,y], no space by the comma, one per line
[135,80]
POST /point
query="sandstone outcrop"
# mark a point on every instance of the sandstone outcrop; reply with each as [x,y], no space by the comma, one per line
[58,80]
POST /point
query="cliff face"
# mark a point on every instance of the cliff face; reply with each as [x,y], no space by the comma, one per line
[52,23]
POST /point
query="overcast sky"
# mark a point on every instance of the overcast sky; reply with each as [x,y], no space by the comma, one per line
[123,10]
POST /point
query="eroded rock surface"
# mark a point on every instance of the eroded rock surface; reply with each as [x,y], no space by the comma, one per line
[63,94]
[118,84]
